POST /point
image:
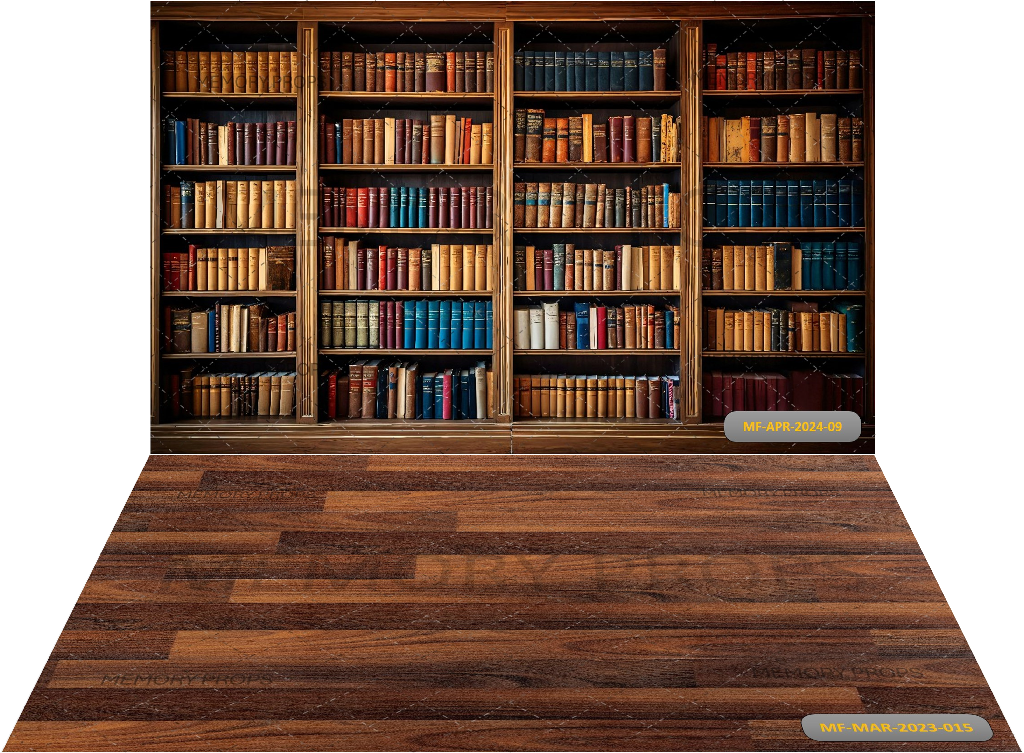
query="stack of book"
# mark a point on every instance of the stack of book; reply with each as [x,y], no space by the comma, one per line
[195,142]
[266,393]
[214,269]
[407,207]
[440,140]
[806,390]
[229,328]
[402,71]
[777,70]
[623,138]
[443,266]
[825,265]
[224,72]
[589,70]
[584,396]
[784,203]
[587,326]
[626,267]
[230,204]
[407,324]
[371,389]
[800,327]
[593,205]
[802,137]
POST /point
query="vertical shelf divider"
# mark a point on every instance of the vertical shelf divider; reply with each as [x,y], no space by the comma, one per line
[155,201]
[692,211]
[503,281]
[307,267]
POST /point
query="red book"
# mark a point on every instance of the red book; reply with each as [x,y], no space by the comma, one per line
[465,206]
[432,207]
[351,209]
[808,388]
[175,385]
[326,194]
[443,208]
[629,138]
[323,141]
[563,328]
[280,142]
[282,332]
[231,142]
[330,153]
[382,267]
[474,207]
[489,209]
[602,327]
[289,151]
[755,140]
[407,144]
[449,59]
[820,83]
[332,395]
[374,210]
[424,157]
[398,323]
[362,207]
[371,269]
[710,55]
[362,270]
[391,269]
[538,271]
[399,141]
[383,201]
[549,269]
[752,71]
[271,334]
[191,267]
[402,262]
[338,199]
[720,73]
[738,394]
[454,208]
[328,254]
[446,392]
[615,138]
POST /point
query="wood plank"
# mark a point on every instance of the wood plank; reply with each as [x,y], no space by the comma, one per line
[173,542]
[212,519]
[111,644]
[257,566]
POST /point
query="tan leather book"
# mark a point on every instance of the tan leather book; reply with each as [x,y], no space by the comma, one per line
[629,317]
[797,139]
[266,220]
[637,265]
[211,204]
[476,137]
[275,394]
[251,73]
[216,78]
[654,252]
[841,328]
[736,141]
[617,388]
[760,268]
[378,141]
[834,333]
[274,72]
[782,139]
[180,71]
[193,71]
[829,137]
[825,332]
[796,262]
[486,143]
[369,145]
[295,78]
[455,273]
[253,268]
[568,204]
[535,396]
[769,268]
[602,397]
[242,204]
[242,275]
[449,139]
[812,137]
[279,204]
[222,269]
[211,404]
[728,331]
[591,397]
[263,72]
[468,266]
[479,281]
[607,269]
[552,217]
[748,331]
[805,322]
[531,208]
[289,204]
[667,261]
[758,344]
[237,72]
[544,197]
[444,267]
[630,396]
[489,267]
[727,268]
[357,141]
[232,271]
[199,197]
[749,267]
[722,341]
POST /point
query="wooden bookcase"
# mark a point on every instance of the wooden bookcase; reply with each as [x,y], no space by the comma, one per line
[503,28]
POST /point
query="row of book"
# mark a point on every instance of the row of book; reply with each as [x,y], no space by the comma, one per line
[623,138]
[407,71]
[196,142]
[589,70]
[800,137]
[231,328]
[372,389]
[403,324]
[587,326]
[774,70]
[784,203]
[583,396]
[214,269]
[440,207]
[802,389]
[800,327]
[442,266]
[269,394]
[439,140]
[224,72]
[586,205]
[625,267]
[230,204]
[813,265]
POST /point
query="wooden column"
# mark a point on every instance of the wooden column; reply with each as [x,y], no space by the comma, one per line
[155,203]
[307,266]
[692,211]
[503,323]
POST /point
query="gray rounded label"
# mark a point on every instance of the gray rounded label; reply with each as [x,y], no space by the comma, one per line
[862,727]
[792,426]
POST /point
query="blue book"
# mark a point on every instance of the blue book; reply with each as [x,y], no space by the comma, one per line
[805,266]
[732,209]
[645,77]
[814,251]
[549,71]
[560,72]
[528,63]
[558,251]
[403,207]
[518,74]
[854,325]
[456,333]
[582,326]
[421,322]
[828,266]
[832,203]
[841,264]
[468,324]
[857,203]
[392,208]
[187,203]
[444,333]
[744,203]
[616,71]
[591,71]
[631,70]
[570,73]
[756,204]
[211,329]
[767,203]
[664,197]
[170,142]
[854,266]
[179,142]
[409,325]
[480,324]
[604,63]
[580,76]
[489,322]
[845,208]
[818,206]
[337,143]
[433,320]
[669,340]
[722,203]
[439,395]
[427,395]
[464,393]
[781,203]
[710,187]
[424,218]
[793,206]
[806,204]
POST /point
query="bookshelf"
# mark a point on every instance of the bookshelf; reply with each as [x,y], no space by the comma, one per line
[504,30]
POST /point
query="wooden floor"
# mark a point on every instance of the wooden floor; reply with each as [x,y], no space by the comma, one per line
[520,603]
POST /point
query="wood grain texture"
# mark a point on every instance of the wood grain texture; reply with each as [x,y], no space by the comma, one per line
[469,603]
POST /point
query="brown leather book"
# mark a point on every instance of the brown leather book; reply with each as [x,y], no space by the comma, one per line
[549,138]
[561,140]
[359,71]
[659,70]
[434,77]
[845,139]
[263,72]
[390,71]
[274,72]
[193,71]
[534,134]
[381,70]
[167,71]
[180,72]
[251,73]
[857,139]
[576,139]
[643,140]
[600,142]
[226,84]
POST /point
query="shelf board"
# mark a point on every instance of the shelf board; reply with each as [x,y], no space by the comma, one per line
[788,230]
[217,422]
[412,167]
[228,293]
[229,168]
[781,293]
[483,352]
[780,165]
[407,231]
[780,93]
[649,97]
[234,97]
[227,231]
[597,166]
[403,423]
[204,356]
[485,99]
[407,293]
[552,421]
[589,230]
[595,293]
[776,354]
[597,352]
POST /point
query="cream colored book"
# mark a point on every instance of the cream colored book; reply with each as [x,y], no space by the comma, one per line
[289,204]
[449,139]
[389,141]
[588,137]
[435,266]
[242,204]
[812,137]
[475,144]
[627,267]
